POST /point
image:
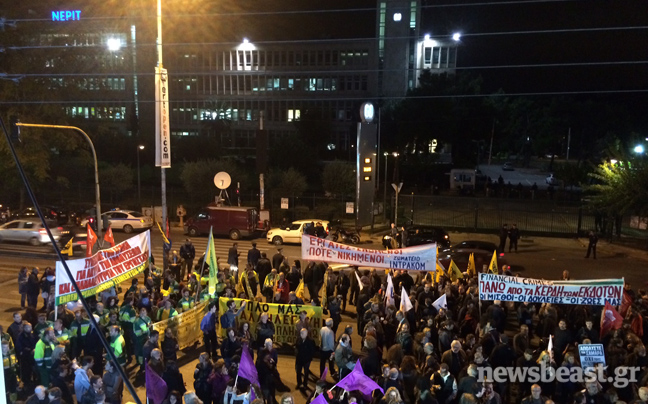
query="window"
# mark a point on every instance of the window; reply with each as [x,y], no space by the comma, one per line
[427,56]
[444,57]
[293,115]
[435,56]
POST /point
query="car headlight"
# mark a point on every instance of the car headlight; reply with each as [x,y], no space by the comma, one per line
[269,233]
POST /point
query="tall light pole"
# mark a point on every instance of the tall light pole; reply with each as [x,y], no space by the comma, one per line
[385,190]
[94,157]
[161,105]
[139,184]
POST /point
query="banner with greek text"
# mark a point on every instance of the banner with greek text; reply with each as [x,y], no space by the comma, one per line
[104,269]
[418,258]
[185,326]
[283,316]
[516,289]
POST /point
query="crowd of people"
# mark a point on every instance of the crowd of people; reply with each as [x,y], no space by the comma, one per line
[425,355]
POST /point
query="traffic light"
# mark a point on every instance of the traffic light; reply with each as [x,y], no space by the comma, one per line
[15,129]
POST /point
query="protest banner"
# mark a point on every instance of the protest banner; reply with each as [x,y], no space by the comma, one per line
[418,258]
[516,289]
[185,326]
[104,269]
[283,316]
[591,354]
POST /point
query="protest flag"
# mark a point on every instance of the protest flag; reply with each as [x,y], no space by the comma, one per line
[389,293]
[68,249]
[156,387]
[441,302]
[323,378]
[108,237]
[299,292]
[357,380]
[319,399]
[610,319]
[246,366]
[406,303]
[454,271]
[626,302]
[91,241]
[323,295]
[472,269]
[248,288]
[440,271]
[212,261]
[493,264]
[359,280]
[550,347]
[165,239]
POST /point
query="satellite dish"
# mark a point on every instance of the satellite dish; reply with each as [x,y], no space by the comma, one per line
[222,180]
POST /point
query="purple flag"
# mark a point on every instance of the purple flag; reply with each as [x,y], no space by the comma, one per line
[357,380]
[358,367]
[319,399]
[323,378]
[246,367]
[156,388]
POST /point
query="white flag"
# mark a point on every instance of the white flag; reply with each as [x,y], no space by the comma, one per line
[550,346]
[441,303]
[406,303]
[359,281]
[389,293]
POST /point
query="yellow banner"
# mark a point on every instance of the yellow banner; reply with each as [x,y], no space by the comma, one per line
[185,326]
[283,316]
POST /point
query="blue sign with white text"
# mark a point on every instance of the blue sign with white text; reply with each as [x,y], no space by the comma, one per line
[66,15]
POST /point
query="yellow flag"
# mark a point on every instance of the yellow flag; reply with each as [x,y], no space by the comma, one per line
[248,288]
[239,285]
[454,272]
[493,264]
[472,270]
[299,292]
[68,248]
[323,295]
[440,271]
[165,292]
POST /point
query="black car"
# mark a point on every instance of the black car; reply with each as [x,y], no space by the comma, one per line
[419,235]
[50,212]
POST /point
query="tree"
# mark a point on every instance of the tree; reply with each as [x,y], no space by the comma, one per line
[622,186]
[116,180]
[287,183]
[339,178]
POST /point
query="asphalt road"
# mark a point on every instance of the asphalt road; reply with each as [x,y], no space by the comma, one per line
[537,257]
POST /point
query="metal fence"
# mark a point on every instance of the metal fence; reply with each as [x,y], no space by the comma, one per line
[486,214]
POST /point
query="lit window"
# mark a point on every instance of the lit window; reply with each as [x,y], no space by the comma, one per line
[367,161]
[366,169]
[366,177]
[293,115]
[398,17]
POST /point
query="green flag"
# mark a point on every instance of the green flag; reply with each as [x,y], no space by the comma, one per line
[210,259]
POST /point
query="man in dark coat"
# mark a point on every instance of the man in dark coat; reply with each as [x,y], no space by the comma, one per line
[253,255]
[503,235]
[264,267]
[514,235]
[305,351]
[187,253]
[278,259]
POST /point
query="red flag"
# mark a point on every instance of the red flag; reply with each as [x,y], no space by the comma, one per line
[91,240]
[626,302]
[610,319]
[108,237]
[167,228]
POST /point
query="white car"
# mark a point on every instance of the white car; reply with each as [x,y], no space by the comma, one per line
[126,220]
[292,234]
[29,231]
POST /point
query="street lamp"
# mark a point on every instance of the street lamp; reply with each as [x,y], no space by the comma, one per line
[385,195]
[139,185]
[113,44]
[639,149]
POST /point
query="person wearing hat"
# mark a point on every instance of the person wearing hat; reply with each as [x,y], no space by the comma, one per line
[187,253]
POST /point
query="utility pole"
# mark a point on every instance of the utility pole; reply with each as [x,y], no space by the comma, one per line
[490,151]
[397,188]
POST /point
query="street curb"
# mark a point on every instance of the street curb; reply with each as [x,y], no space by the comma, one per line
[27,254]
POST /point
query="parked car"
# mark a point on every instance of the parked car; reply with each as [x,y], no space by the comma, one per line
[126,220]
[460,254]
[50,212]
[508,166]
[29,231]
[419,235]
[232,221]
[292,233]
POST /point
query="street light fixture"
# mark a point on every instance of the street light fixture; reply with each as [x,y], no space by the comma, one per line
[639,149]
[139,185]
[456,36]
[113,44]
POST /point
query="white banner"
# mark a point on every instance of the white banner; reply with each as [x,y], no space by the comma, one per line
[591,354]
[162,134]
[104,269]
[516,289]
[419,258]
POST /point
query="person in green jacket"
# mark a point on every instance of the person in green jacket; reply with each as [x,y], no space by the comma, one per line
[104,315]
[42,325]
[118,345]
[167,311]
[78,331]
[141,330]
[186,303]
[127,316]
[43,354]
